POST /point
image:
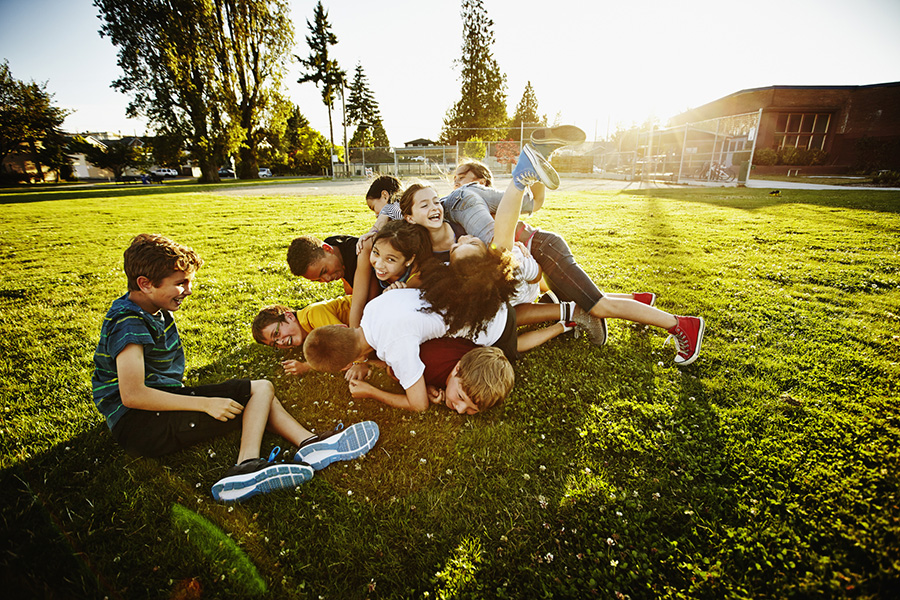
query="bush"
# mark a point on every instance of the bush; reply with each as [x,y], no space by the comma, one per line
[891,178]
[765,157]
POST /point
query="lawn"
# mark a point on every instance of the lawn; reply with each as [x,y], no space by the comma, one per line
[767,469]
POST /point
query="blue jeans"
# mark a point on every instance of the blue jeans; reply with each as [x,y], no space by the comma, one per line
[473,206]
[470,207]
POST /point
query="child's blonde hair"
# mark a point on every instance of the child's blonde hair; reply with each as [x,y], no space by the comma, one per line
[486,376]
[156,257]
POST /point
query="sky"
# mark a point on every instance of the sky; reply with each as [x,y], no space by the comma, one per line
[593,63]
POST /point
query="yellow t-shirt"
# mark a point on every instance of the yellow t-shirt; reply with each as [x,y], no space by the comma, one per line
[327,312]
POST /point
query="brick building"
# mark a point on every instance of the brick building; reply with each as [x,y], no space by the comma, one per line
[856,125]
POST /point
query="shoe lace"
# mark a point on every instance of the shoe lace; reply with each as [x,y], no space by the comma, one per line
[682,343]
[528,178]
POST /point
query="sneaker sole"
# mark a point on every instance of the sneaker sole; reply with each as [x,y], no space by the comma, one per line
[696,353]
[590,325]
[269,479]
[548,175]
[561,134]
[352,442]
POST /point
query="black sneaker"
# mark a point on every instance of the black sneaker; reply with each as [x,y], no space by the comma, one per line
[260,476]
[321,450]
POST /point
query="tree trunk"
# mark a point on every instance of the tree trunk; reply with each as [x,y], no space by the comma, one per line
[330,141]
[36,159]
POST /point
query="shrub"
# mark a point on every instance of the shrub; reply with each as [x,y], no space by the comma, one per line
[887,178]
[765,157]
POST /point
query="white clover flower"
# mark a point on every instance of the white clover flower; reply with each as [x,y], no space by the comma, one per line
[548,557]
[422,461]
[526,477]
[614,563]
[413,433]
[349,492]
[688,512]
[610,542]
[542,468]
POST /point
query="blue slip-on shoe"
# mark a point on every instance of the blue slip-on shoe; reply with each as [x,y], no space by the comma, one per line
[320,451]
[532,168]
[548,139]
[260,476]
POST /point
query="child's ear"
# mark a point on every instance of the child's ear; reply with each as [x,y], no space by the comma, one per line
[409,219]
[411,260]
[144,283]
[385,195]
[328,248]
[290,316]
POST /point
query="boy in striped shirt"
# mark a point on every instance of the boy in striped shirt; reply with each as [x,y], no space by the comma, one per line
[137,385]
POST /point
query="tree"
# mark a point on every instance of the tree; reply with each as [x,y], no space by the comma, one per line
[362,111]
[254,37]
[526,118]
[28,117]
[170,69]
[306,150]
[202,71]
[481,110]
[114,155]
[320,69]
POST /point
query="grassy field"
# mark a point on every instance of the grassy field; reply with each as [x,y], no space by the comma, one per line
[767,469]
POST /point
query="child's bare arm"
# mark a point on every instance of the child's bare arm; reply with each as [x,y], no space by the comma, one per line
[130,370]
[415,399]
[361,281]
[380,222]
[295,367]
[507,217]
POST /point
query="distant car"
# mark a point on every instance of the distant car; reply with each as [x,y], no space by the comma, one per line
[223,172]
[265,172]
[164,172]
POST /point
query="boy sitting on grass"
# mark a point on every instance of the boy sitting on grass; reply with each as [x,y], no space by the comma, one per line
[278,326]
[137,385]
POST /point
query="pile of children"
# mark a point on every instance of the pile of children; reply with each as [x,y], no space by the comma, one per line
[436,291]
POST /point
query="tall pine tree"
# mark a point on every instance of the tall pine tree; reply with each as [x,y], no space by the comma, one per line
[320,69]
[362,111]
[481,110]
[526,118]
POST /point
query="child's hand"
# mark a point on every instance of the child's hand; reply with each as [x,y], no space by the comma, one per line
[295,367]
[363,238]
[435,395]
[222,409]
[357,372]
[361,389]
[397,285]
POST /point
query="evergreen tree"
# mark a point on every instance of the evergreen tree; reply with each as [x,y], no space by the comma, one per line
[481,110]
[526,118]
[362,111]
[320,69]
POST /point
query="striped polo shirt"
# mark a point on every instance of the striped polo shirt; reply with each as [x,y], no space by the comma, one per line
[127,323]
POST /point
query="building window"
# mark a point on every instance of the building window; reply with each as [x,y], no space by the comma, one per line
[802,130]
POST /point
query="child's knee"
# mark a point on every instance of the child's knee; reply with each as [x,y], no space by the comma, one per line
[261,387]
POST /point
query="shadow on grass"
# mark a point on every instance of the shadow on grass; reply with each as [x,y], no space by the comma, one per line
[755,199]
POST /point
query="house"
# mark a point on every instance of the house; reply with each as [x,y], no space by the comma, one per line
[856,126]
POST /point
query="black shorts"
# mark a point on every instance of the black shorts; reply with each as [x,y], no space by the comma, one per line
[152,433]
[510,337]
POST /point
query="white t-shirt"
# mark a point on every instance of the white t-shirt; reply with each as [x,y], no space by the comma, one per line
[395,327]
[528,270]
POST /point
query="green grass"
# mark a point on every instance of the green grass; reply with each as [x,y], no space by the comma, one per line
[767,469]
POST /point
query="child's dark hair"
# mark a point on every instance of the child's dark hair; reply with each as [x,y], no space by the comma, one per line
[304,251]
[408,239]
[156,257]
[469,292]
[274,313]
[384,183]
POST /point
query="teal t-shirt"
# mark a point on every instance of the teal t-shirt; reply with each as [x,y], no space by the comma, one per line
[127,323]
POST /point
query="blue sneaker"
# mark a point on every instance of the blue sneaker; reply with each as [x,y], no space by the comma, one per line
[260,476]
[319,451]
[548,139]
[532,168]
